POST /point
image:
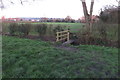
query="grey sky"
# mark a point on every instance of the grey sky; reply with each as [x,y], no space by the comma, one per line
[52,8]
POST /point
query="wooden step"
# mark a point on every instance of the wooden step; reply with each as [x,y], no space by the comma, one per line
[68,42]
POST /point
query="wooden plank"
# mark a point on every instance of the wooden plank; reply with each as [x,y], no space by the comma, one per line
[57,37]
[63,31]
[68,42]
[68,36]
[62,39]
[62,35]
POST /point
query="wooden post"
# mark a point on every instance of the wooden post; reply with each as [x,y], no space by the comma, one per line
[57,37]
[62,35]
[68,37]
[61,38]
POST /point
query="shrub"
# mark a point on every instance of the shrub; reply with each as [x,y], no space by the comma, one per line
[97,36]
[24,29]
[110,14]
[50,29]
[41,29]
[58,28]
[12,28]
[101,28]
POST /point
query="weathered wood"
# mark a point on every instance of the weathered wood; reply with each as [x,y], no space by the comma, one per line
[62,39]
[62,35]
[57,37]
[63,31]
[68,37]
[68,42]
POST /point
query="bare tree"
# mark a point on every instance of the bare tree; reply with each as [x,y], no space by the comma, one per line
[118,2]
[3,4]
[88,16]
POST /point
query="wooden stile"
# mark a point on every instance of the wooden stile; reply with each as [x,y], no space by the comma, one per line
[62,35]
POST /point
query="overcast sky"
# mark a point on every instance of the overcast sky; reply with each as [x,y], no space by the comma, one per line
[52,8]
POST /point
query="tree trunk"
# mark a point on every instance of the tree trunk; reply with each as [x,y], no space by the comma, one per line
[86,15]
[91,10]
[88,18]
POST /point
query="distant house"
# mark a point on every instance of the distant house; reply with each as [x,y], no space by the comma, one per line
[3,18]
[42,19]
[82,19]
[94,18]
[12,19]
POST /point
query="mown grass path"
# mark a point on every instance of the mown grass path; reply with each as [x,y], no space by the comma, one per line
[24,58]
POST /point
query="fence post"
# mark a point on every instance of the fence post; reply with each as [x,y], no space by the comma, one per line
[57,38]
[62,36]
[68,36]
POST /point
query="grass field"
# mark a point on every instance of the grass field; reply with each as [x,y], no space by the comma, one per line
[98,29]
[74,27]
[24,58]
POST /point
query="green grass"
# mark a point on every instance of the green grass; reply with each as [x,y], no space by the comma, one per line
[24,58]
[111,29]
[74,27]
[0,56]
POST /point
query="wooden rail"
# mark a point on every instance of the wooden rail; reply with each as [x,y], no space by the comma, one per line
[62,35]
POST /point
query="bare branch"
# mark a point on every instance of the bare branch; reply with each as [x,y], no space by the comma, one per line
[21,2]
[11,2]
[117,0]
[83,0]
[1,4]
[91,8]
